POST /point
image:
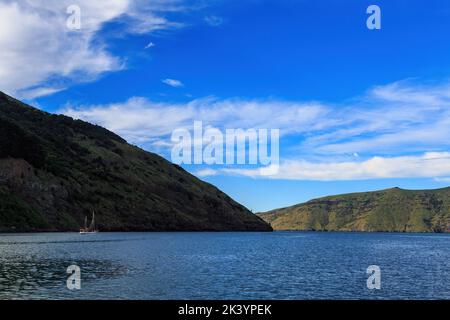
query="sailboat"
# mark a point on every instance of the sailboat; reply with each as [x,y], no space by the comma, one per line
[91,229]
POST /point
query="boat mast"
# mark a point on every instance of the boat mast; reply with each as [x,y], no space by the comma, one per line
[92,226]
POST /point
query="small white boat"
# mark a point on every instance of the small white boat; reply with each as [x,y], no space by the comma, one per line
[91,229]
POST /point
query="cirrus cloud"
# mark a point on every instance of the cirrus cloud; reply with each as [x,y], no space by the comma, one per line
[39,55]
[397,130]
[430,164]
[173,83]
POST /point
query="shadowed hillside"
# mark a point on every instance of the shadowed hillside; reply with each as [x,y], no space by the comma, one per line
[386,210]
[55,170]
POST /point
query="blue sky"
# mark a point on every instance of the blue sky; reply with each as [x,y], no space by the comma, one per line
[357,109]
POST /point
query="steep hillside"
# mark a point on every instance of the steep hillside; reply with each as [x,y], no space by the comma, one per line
[386,210]
[55,170]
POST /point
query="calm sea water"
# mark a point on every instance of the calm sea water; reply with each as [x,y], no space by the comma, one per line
[278,265]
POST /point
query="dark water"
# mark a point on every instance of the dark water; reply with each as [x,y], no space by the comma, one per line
[279,265]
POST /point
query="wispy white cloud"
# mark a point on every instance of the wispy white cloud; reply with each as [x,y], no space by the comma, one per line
[432,164]
[32,93]
[376,135]
[149,45]
[140,119]
[397,118]
[150,124]
[173,83]
[214,21]
[206,172]
[38,51]
[442,179]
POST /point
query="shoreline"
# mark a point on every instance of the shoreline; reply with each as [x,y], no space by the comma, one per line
[229,231]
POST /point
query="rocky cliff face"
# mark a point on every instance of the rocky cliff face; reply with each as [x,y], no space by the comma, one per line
[55,170]
[386,210]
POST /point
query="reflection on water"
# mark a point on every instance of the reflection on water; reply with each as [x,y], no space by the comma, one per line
[279,265]
[34,265]
[25,278]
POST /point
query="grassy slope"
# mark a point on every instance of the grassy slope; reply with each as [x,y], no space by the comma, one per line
[386,210]
[55,170]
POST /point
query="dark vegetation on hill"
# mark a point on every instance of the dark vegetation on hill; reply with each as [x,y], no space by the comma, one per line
[54,171]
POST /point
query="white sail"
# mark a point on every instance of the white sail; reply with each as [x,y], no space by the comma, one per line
[91,228]
[92,225]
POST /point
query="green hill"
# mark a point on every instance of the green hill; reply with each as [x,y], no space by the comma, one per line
[392,210]
[55,170]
